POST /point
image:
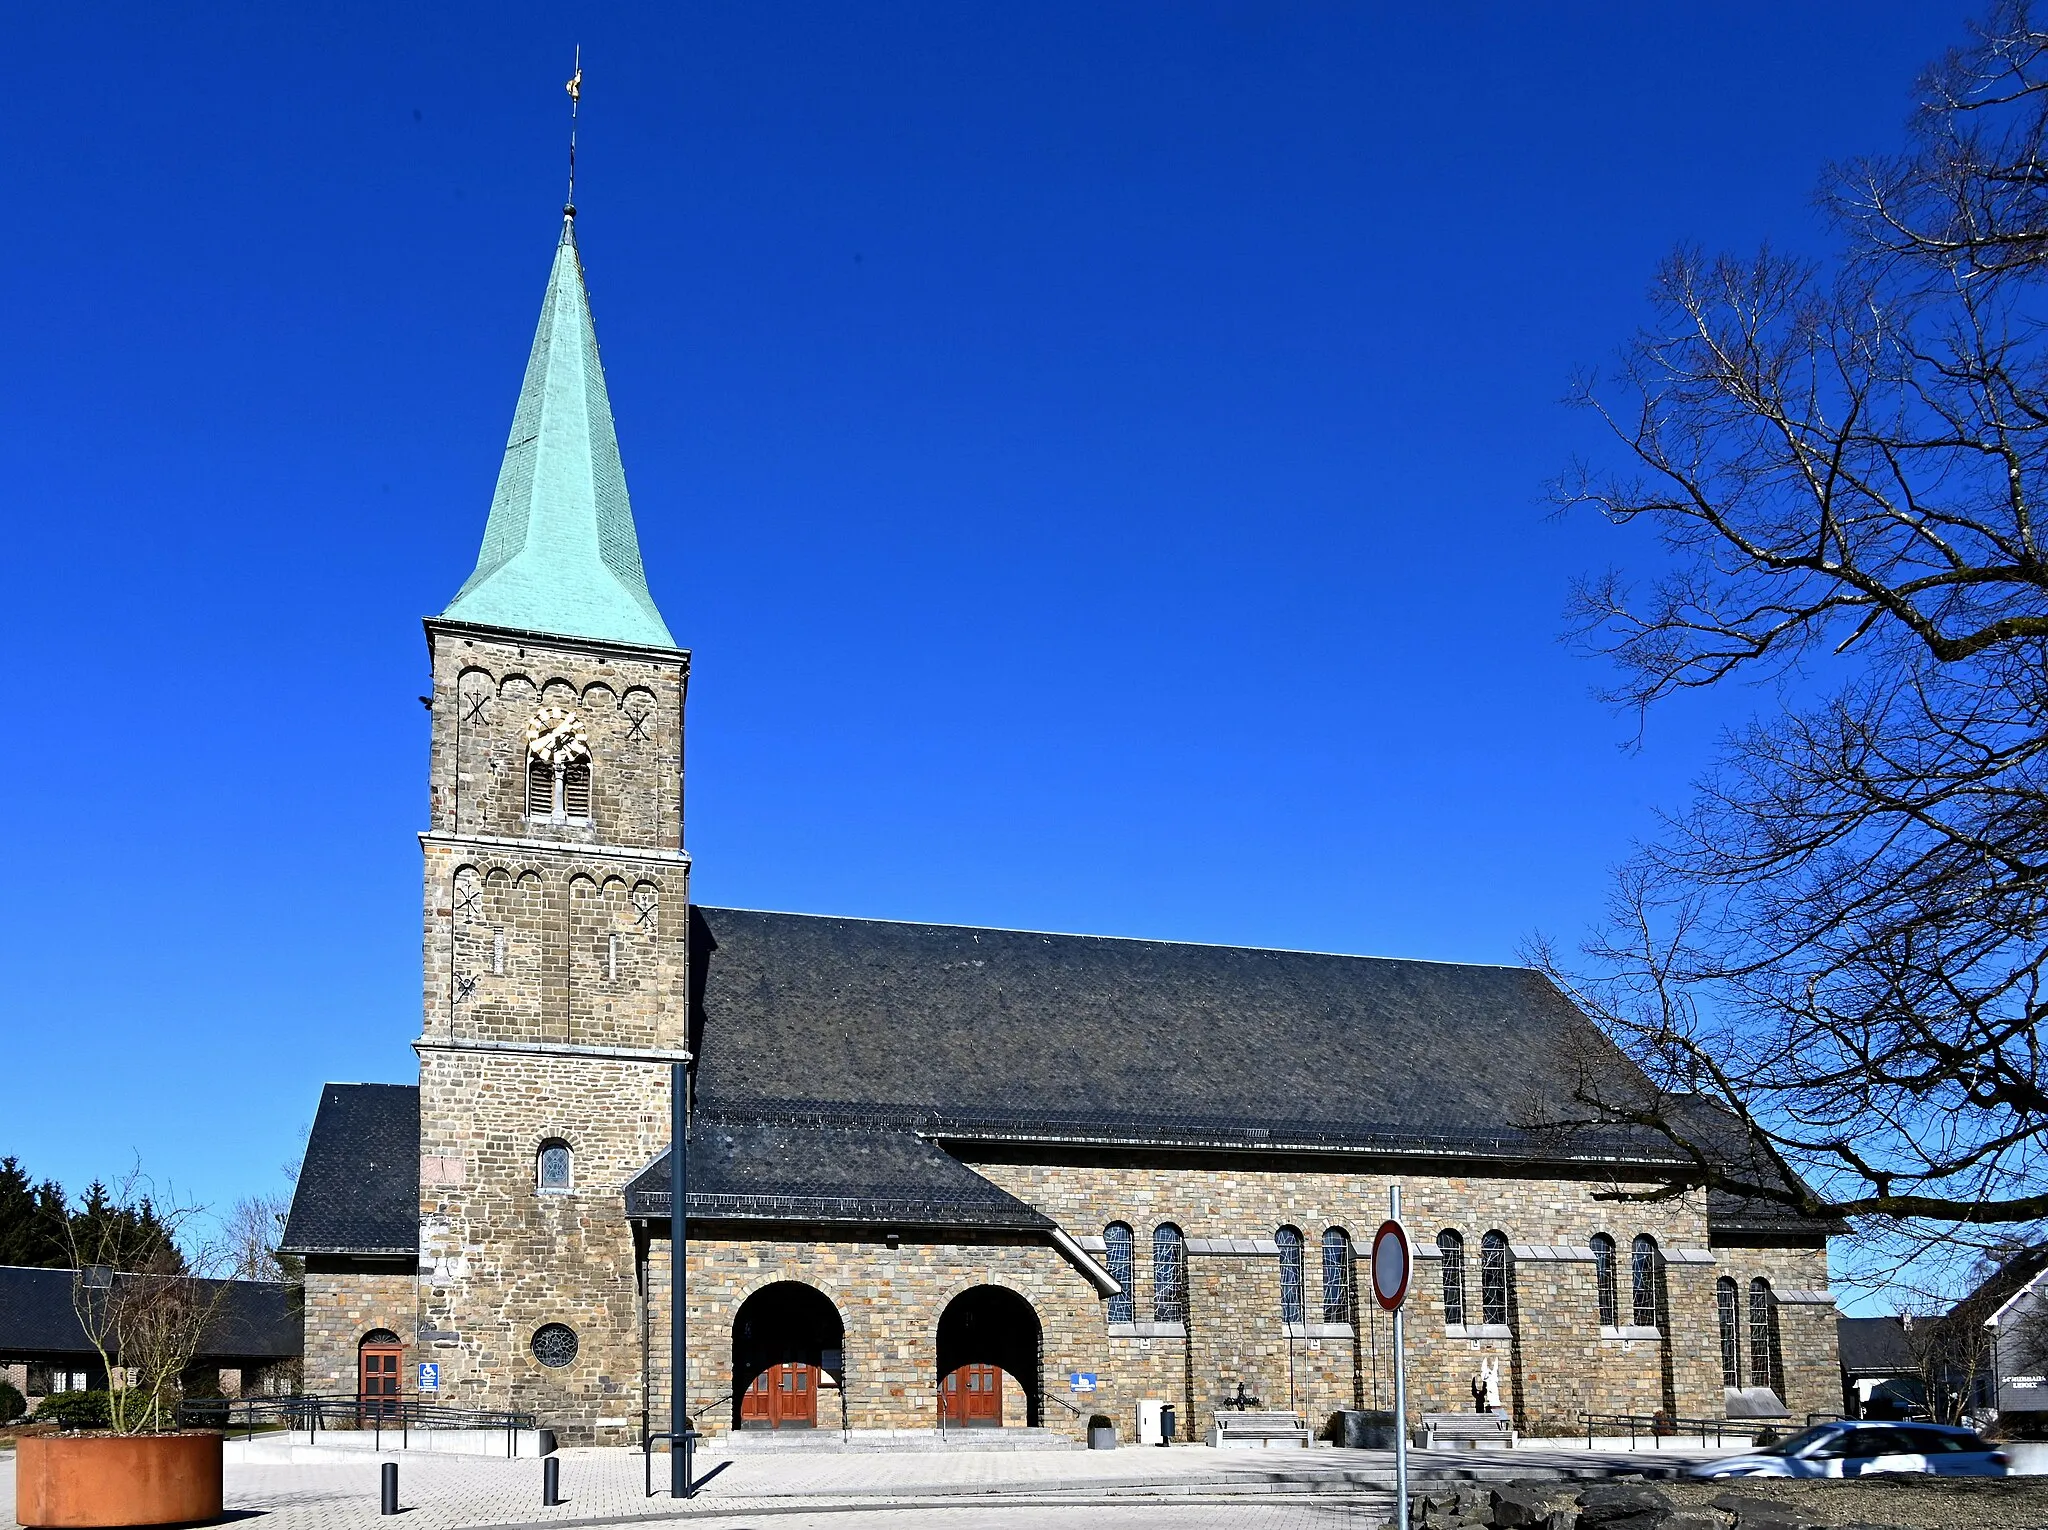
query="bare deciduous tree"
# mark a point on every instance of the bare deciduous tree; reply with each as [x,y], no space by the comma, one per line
[1844,941]
[143,1302]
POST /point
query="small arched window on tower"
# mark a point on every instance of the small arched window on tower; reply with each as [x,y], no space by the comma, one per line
[1604,1281]
[1452,1246]
[555,1167]
[1120,1256]
[1493,1279]
[1291,1296]
[1729,1302]
[1642,1279]
[1336,1275]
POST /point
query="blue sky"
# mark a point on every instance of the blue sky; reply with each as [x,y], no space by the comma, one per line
[1095,454]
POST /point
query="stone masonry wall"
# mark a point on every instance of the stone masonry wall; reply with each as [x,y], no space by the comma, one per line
[343,1306]
[501,1257]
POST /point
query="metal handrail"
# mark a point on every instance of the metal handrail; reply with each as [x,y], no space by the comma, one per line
[1653,1424]
[312,1413]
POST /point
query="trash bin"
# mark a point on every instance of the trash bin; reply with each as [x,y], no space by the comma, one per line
[1167,1427]
[1364,1429]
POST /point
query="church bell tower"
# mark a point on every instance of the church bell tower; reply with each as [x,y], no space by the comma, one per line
[556,897]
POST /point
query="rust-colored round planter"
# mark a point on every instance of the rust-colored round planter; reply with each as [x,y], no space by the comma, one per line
[109,1479]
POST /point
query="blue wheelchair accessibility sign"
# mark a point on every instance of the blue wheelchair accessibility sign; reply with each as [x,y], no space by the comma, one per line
[430,1376]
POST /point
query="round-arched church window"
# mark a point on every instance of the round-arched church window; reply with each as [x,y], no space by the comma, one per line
[555,1345]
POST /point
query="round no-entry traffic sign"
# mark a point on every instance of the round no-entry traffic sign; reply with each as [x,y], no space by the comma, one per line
[1390,1265]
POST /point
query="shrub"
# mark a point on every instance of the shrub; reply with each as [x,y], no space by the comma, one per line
[76,1410]
[12,1403]
[1100,1421]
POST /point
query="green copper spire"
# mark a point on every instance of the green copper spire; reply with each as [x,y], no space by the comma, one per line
[560,554]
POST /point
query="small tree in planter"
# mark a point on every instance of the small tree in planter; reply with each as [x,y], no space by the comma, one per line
[144,1309]
[143,1305]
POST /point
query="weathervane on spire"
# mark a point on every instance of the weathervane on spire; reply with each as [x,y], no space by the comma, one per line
[575,88]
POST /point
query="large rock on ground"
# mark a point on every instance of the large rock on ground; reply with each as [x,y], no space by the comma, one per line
[1540,1506]
[1622,1506]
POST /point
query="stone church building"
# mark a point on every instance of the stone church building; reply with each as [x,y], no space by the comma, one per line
[985,1177]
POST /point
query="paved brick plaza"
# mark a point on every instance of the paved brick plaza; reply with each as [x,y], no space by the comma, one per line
[1123,1490]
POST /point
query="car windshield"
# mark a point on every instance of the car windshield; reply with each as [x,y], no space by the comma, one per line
[1802,1442]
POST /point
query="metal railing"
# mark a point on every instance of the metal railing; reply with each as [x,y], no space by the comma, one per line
[1662,1426]
[312,1413]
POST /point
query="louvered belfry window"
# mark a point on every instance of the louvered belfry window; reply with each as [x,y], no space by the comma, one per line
[576,790]
[540,789]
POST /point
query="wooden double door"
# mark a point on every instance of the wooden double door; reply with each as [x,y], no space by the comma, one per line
[782,1397]
[377,1393]
[972,1397]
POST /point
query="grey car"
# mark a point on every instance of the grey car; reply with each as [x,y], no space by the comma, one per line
[1847,1448]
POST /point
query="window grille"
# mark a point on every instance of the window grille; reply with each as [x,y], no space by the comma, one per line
[554,1165]
[576,790]
[1603,1279]
[1493,1279]
[1121,1257]
[1452,1246]
[1642,1279]
[1336,1276]
[1766,1360]
[540,789]
[1293,1303]
[1730,1303]
[1169,1275]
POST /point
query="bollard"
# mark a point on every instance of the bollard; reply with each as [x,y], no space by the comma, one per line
[550,1482]
[390,1487]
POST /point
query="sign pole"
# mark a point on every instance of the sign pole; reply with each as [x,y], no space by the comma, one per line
[1400,1389]
[680,1438]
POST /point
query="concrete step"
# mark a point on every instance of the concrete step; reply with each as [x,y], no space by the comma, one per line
[757,1441]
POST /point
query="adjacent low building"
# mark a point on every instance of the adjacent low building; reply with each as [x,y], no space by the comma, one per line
[250,1345]
[985,1177]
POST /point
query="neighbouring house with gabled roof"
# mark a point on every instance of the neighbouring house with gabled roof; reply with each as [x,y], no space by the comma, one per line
[978,1176]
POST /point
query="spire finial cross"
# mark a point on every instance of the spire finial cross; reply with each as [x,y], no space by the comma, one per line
[575,88]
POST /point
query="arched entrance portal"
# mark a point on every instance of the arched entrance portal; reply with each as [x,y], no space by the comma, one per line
[985,1333]
[787,1342]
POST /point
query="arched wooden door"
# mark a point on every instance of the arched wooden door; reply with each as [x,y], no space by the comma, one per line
[782,1397]
[377,1363]
[972,1397]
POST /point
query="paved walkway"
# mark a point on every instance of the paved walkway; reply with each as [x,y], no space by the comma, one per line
[1129,1489]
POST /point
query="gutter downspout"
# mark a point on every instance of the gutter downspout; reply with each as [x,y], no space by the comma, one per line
[1079,1257]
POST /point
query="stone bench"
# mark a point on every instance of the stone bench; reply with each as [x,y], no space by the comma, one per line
[1259,1431]
[1465,1431]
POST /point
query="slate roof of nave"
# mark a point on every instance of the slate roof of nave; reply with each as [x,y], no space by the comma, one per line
[838,1057]
[963,1033]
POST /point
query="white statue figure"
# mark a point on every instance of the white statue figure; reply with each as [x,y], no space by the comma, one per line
[1486,1386]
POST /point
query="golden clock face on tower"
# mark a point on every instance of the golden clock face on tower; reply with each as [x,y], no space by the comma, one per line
[555,737]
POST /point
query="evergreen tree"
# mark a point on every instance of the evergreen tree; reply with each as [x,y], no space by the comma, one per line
[32,1219]
[127,1237]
